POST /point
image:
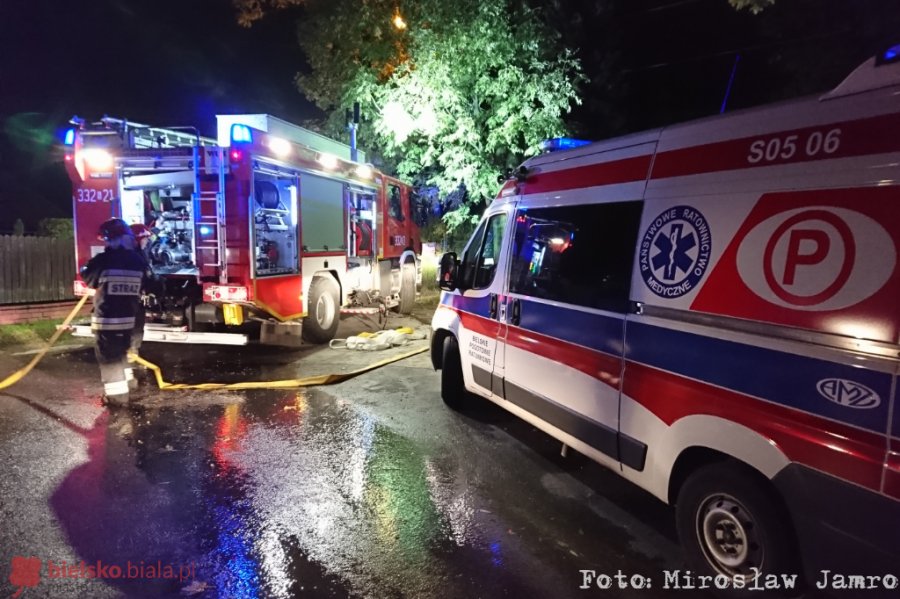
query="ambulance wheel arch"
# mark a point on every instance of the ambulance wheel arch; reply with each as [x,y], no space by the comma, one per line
[730,517]
[694,441]
[323,308]
[444,324]
[445,340]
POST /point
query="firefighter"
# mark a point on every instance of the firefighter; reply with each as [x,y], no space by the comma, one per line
[117,274]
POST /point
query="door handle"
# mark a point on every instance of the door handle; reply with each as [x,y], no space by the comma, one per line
[493,310]
[516,312]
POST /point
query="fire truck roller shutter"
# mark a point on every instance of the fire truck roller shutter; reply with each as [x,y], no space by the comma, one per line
[407,282]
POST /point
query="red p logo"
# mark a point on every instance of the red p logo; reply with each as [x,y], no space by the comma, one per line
[795,257]
[809,247]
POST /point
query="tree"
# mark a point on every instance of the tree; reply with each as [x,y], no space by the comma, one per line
[59,228]
[753,6]
[462,93]
[18,228]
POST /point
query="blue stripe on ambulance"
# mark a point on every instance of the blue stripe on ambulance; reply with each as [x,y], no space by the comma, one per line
[783,378]
[480,306]
[596,331]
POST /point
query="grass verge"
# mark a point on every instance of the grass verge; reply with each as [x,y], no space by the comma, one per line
[425,306]
[28,334]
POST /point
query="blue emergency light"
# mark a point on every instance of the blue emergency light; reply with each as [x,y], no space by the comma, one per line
[241,133]
[562,143]
[892,54]
[205,230]
[69,138]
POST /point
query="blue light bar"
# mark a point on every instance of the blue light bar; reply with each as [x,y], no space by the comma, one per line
[562,143]
[69,138]
[892,54]
[241,133]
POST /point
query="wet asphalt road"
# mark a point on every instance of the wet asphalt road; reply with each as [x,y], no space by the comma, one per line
[369,488]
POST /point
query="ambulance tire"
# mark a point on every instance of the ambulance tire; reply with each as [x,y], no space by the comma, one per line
[453,389]
[407,288]
[321,324]
[729,521]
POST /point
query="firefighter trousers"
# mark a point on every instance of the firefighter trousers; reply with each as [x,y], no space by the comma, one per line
[111,350]
[137,334]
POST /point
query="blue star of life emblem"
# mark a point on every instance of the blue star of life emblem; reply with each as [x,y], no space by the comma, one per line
[675,251]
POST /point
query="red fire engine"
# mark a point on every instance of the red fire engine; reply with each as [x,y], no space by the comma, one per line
[269,222]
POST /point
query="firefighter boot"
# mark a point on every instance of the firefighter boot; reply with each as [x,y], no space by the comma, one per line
[119,400]
[115,384]
[130,378]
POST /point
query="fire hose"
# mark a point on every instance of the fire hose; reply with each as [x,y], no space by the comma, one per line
[310,381]
[20,374]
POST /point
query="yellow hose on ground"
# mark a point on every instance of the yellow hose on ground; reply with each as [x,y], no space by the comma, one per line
[310,381]
[20,374]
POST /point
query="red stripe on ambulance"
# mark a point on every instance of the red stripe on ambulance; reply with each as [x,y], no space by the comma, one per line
[603,367]
[874,135]
[850,453]
[626,170]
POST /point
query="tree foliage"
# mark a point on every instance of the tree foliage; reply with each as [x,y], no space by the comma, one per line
[464,92]
[753,6]
[59,228]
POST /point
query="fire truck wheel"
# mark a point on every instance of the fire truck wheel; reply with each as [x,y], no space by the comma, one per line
[322,322]
[453,389]
[730,523]
[407,288]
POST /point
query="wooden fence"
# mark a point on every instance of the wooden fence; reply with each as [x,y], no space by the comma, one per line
[36,269]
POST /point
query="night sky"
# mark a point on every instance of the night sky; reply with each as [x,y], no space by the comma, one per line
[179,62]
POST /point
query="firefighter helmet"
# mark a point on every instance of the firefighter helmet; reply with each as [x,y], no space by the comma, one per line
[112,229]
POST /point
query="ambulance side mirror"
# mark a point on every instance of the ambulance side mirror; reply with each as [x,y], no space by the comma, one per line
[448,276]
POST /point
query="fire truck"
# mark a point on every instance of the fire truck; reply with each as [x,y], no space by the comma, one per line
[269,222]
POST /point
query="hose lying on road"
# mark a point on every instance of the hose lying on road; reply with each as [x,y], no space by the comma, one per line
[310,381]
[377,341]
[20,374]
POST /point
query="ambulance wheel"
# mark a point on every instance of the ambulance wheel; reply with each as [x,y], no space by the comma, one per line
[407,288]
[731,523]
[453,389]
[321,324]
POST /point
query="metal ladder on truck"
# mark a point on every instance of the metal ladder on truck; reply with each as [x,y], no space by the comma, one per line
[209,210]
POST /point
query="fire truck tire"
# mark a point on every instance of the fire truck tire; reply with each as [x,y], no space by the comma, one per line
[407,288]
[321,324]
[730,521]
[453,389]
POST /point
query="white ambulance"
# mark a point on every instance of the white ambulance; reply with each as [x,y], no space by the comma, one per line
[712,310]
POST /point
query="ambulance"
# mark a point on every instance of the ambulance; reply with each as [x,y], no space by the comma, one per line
[712,310]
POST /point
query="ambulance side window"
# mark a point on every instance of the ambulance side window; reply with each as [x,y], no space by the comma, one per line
[479,263]
[576,254]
